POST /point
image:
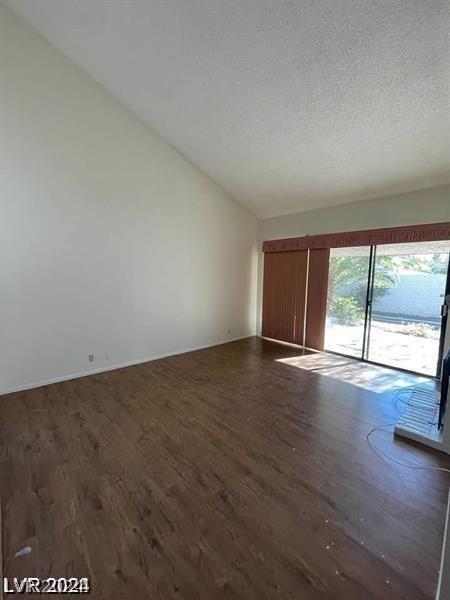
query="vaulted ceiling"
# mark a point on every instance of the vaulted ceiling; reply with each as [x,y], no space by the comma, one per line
[286,105]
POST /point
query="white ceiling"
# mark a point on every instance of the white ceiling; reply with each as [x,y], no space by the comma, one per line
[286,105]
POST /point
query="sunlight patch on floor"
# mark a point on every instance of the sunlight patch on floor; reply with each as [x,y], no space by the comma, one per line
[364,375]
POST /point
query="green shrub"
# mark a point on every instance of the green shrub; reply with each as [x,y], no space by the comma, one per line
[346,310]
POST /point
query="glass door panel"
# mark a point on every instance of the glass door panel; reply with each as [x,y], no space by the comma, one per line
[346,303]
[406,296]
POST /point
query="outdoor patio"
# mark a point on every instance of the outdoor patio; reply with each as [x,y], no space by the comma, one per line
[391,344]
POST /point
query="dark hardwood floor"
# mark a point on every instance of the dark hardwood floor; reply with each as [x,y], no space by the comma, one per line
[222,473]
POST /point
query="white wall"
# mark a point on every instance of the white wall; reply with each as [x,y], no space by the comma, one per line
[414,208]
[110,240]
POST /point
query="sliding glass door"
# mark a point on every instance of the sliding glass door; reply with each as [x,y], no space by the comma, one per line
[405,316]
[346,303]
[384,304]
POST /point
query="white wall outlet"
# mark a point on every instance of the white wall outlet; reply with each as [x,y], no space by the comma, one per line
[108,356]
[91,358]
[229,331]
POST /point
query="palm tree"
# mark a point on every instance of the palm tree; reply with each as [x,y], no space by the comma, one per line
[348,276]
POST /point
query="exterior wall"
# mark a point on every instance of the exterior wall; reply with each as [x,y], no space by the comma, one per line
[418,295]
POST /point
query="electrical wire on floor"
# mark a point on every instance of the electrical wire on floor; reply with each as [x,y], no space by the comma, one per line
[399,396]
[394,460]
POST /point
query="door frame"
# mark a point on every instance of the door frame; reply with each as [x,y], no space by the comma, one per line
[444,321]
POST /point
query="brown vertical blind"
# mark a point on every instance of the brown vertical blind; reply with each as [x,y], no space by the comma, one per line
[284,292]
[316,304]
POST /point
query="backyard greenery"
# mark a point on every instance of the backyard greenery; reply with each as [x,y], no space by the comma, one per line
[347,281]
[346,310]
[347,285]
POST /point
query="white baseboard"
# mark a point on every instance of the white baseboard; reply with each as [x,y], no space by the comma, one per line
[116,366]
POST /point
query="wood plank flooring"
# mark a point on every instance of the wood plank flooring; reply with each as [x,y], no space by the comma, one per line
[236,472]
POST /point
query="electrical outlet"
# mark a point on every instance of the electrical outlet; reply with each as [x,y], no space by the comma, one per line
[91,358]
[229,331]
[108,356]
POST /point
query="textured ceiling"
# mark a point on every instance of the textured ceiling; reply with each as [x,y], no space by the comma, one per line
[286,105]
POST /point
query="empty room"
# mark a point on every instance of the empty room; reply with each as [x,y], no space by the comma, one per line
[224,296]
